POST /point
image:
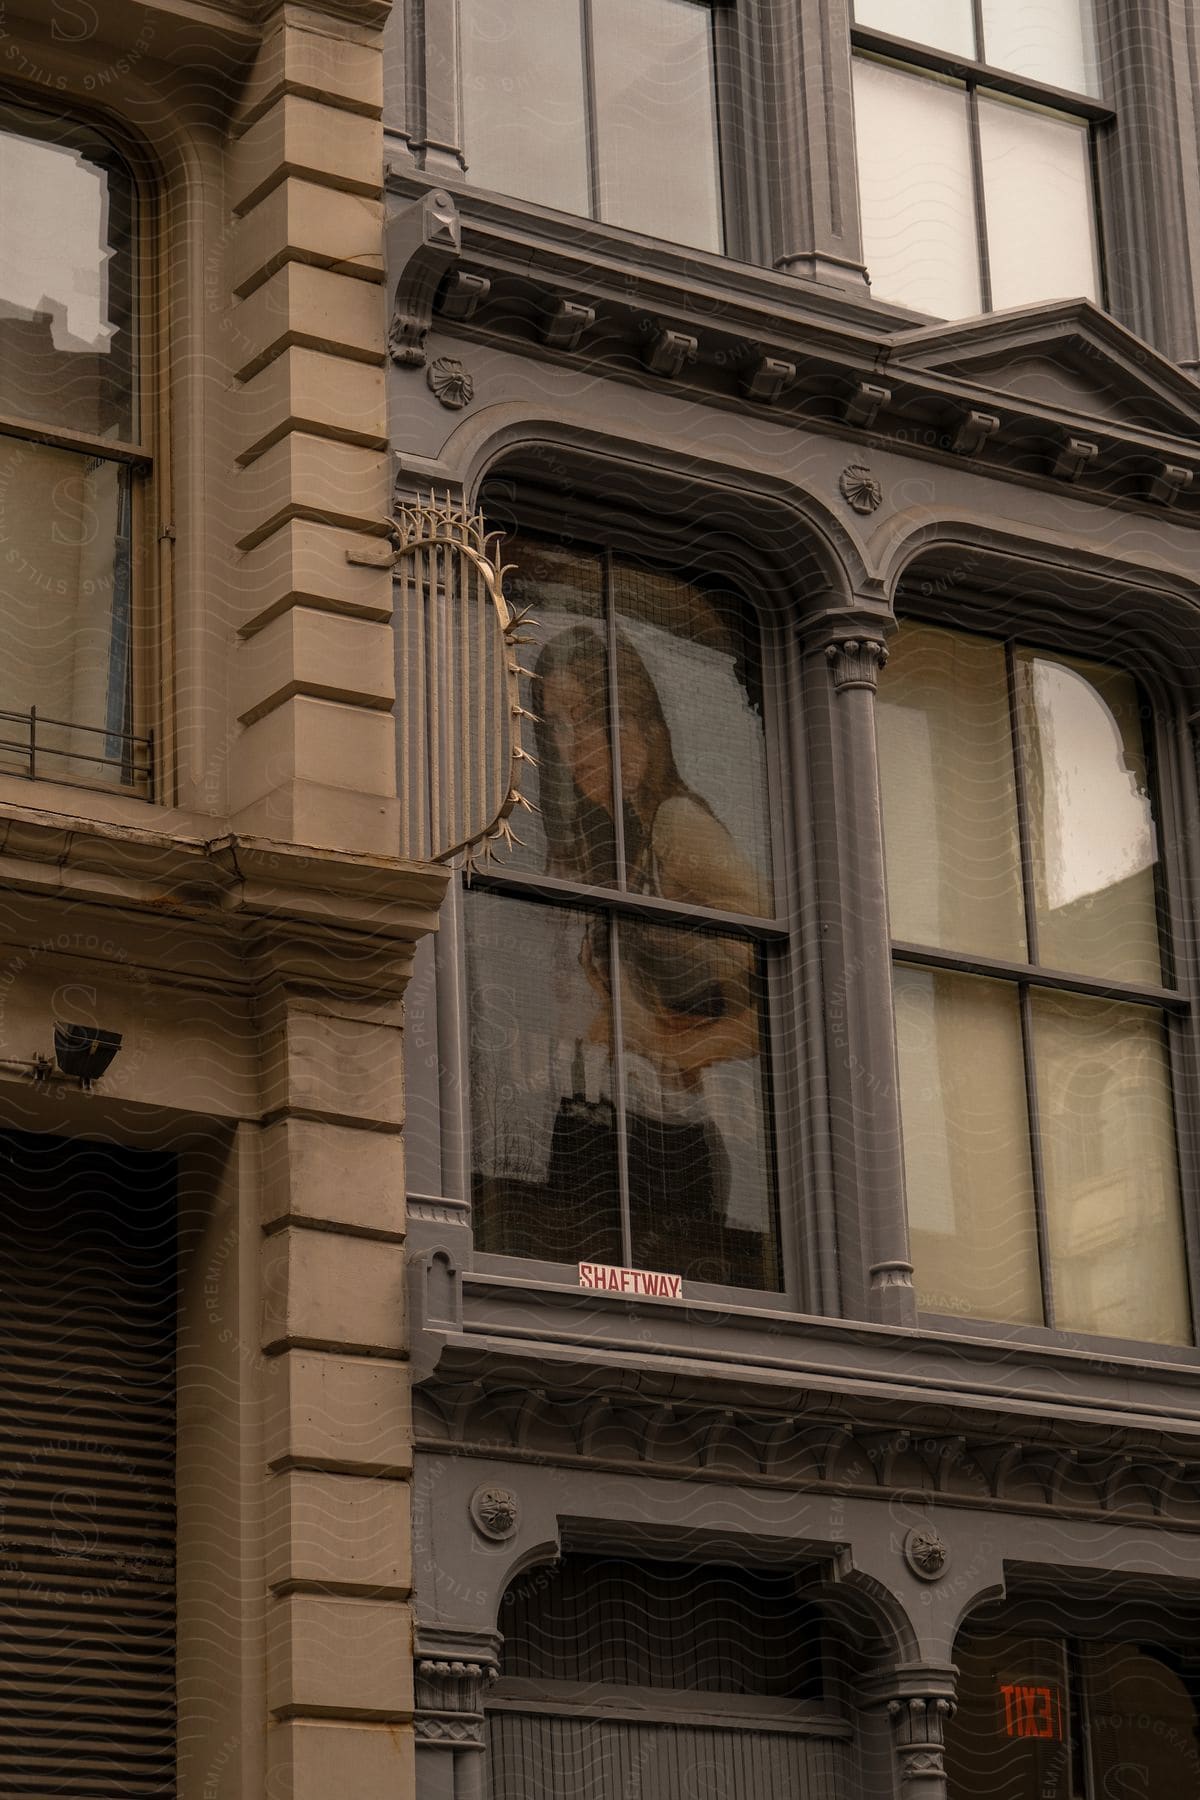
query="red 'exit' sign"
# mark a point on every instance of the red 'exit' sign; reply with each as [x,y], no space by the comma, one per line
[1032,1710]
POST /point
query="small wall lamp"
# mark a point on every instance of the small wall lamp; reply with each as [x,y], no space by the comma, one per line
[84,1051]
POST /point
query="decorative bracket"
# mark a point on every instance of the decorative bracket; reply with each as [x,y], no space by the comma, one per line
[866,404]
[566,325]
[768,378]
[1168,483]
[462,294]
[974,433]
[668,352]
[1074,458]
[420,245]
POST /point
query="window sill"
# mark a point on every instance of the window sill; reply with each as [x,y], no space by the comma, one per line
[753,1356]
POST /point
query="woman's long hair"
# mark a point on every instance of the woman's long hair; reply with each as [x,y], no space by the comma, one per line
[580,834]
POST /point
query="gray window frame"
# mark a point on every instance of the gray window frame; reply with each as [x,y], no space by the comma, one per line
[1178,815]
[802,1222]
[906,54]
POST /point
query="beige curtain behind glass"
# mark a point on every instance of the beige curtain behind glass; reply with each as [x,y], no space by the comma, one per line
[966,1146]
[949,794]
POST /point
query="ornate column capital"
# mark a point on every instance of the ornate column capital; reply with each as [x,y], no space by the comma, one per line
[920,1702]
[855,660]
[453,1671]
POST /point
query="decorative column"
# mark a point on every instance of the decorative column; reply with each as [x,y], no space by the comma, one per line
[919,1702]
[846,654]
[802,69]
[454,1670]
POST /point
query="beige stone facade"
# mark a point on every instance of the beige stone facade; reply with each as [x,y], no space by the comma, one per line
[249,931]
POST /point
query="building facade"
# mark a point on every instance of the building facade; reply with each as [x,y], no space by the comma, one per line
[691,1294]
[799,1210]
[204,863]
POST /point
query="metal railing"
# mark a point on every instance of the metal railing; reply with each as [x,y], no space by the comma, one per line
[135,763]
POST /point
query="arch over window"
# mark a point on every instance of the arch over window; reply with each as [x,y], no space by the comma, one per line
[623,1676]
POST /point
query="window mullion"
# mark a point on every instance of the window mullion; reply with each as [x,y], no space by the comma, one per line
[614,724]
[1036,1158]
[981,224]
[592,121]
[619,1095]
[1022,798]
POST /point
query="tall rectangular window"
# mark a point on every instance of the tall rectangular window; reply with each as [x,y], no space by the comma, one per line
[1031,999]
[621,1099]
[70,456]
[601,107]
[974,127]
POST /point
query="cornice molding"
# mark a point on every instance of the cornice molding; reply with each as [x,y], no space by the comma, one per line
[298,907]
[860,370]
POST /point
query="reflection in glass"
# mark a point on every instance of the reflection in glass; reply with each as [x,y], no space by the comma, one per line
[1112,1183]
[700,1189]
[1142,1724]
[1048,40]
[65,621]
[656,118]
[916,191]
[949,794]
[693,757]
[1012,1737]
[1091,818]
[1037,186]
[524,118]
[544,1147]
[571,834]
[966,1146]
[549,1126]
[66,337]
[942,24]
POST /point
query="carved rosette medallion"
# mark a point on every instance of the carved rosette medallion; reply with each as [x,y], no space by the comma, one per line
[926,1553]
[495,1512]
[450,381]
[860,489]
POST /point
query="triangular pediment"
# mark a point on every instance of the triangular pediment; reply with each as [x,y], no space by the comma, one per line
[1066,358]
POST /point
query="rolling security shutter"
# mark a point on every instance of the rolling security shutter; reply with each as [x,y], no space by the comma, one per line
[87,1426]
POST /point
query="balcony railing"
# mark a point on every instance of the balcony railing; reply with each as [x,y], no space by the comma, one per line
[134,764]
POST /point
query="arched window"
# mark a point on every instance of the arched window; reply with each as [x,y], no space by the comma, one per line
[72,452]
[618,958]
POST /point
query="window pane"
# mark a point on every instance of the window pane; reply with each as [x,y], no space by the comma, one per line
[572,834]
[65,644]
[966,1146]
[66,279]
[524,120]
[543,1118]
[942,24]
[916,191]
[1112,1186]
[656,113]
[1048,40]
[700,1189]
[949,794]
[1094,843]
[1142,1723]
[693,760]
[1037,186]
[1010,1738]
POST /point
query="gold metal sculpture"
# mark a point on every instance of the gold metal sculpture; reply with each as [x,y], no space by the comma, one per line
[458,707]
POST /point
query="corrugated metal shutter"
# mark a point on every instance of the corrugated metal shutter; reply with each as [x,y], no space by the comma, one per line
[87,1451]
[534,1758]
